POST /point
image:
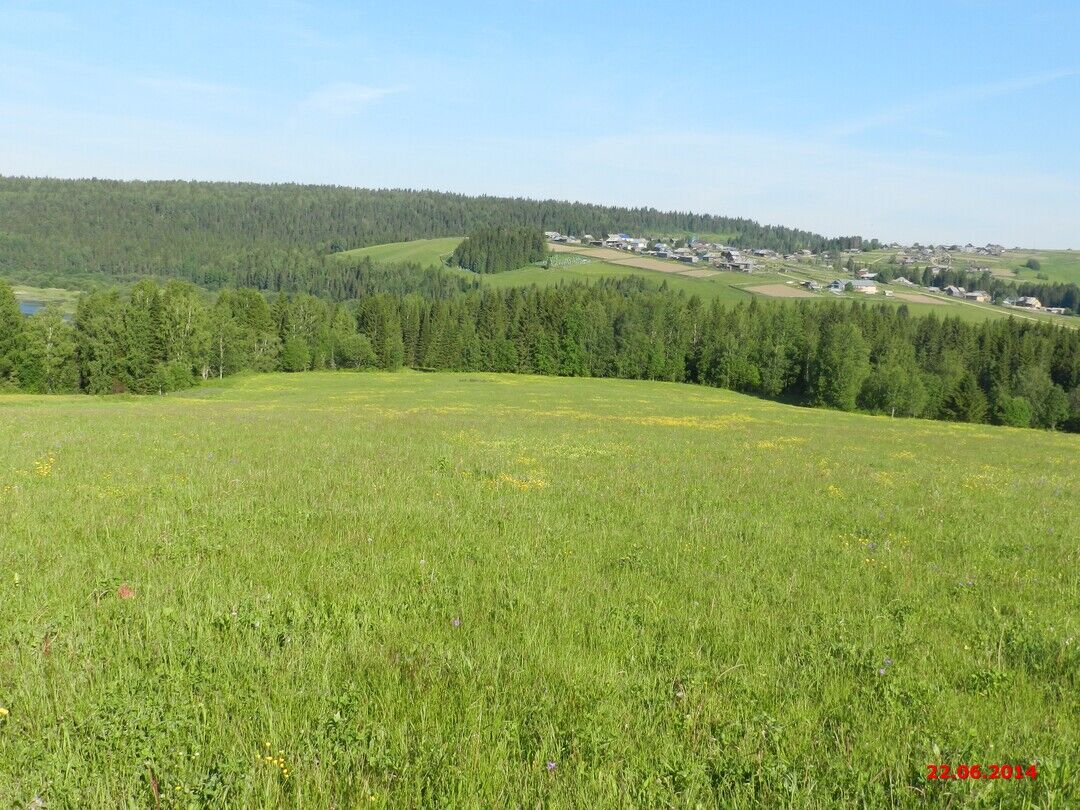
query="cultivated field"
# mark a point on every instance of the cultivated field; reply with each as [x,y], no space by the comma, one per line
[780,291]
[919,298]
[496,591]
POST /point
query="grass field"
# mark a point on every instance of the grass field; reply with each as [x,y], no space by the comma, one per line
[425,252]
[707,288]
[1056,265]
[494,591]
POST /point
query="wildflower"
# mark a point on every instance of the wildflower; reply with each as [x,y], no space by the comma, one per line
[888,662]
[456,622]
[551,766]
[4,712]
[124,592]
[881,671]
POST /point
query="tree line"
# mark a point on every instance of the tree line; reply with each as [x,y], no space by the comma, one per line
[494,250]
[85,233]
[877,359]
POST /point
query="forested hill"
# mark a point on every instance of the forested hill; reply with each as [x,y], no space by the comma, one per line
[52,230]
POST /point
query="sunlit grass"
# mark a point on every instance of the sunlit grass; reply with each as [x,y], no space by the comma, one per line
[481,590]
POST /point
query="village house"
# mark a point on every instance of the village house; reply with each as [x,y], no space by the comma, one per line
[1029,302]
[739,266]
[859,285]
[982,296]
[954,291]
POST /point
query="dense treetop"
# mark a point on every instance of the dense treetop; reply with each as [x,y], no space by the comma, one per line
[494,250]
[103,230]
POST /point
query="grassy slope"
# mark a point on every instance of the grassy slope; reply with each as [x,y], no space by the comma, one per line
[425,252]
[707,288]
[677,595]
[1058,265]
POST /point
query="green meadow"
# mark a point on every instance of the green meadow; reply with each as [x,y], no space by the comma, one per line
[474,590]
[425,252]
[1057,265]
[707,288]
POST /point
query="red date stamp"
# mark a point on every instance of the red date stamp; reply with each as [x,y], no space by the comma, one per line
[982,772]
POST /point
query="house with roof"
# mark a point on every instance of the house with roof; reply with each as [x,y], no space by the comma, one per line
[982,296]
[860,285]
[1029,302]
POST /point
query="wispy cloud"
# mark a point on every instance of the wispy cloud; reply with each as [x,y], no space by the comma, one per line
[347,98]
[904,112]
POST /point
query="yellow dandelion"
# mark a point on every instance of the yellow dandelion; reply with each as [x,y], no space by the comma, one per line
[4,712]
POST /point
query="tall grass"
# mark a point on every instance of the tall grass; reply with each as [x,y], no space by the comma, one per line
[476,590]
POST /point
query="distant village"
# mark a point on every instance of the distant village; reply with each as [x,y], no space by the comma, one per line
[695,251]
[723,257]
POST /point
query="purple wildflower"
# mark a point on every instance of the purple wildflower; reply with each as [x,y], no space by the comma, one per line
[888,662]
[456,622]
[881,671]
[551,766]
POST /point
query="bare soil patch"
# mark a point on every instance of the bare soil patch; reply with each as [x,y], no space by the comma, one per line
[916,298]
[780,291]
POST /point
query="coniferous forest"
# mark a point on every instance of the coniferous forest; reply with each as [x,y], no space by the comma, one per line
[877,359]
[494,250]
[81,233]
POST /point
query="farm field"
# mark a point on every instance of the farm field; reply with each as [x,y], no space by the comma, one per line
[486,590]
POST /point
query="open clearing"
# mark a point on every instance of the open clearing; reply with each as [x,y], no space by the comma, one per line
[780,291]
[425,252]
[676,596]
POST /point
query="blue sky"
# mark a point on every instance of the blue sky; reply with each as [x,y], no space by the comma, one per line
[953,120]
